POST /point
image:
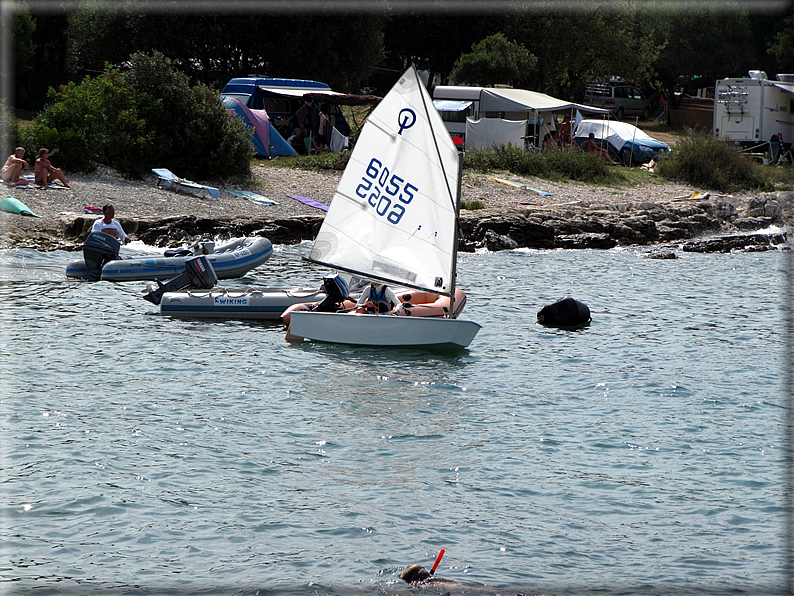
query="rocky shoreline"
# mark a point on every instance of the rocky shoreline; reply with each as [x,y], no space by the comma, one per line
[657,214]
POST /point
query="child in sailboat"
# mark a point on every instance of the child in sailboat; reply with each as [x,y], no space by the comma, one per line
[377,298]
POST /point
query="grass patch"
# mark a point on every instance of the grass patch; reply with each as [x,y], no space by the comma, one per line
[315,162]
[472,205]
[568,164]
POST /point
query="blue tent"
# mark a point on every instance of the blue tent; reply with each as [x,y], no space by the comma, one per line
[266,139]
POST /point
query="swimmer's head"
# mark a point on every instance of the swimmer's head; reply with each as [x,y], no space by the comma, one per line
[414,573]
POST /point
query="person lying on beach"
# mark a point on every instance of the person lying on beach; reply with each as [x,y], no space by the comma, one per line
[12,170]
[44,172]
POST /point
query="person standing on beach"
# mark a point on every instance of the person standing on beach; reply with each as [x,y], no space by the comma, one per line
[108,225]
[12,170]
[44,172]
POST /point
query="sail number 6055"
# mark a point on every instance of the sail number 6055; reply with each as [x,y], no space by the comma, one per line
[387,193]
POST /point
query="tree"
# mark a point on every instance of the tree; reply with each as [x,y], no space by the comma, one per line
[494,60]
[599,41]
[709,43]
[782,45]
[145,117]
[98,36]
[24,47]
[434,41]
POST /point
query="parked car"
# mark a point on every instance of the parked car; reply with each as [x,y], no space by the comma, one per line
[620,100]
[624,142]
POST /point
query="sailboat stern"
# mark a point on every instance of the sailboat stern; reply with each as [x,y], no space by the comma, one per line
[381,330]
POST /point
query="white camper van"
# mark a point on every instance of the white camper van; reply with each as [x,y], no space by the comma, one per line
[750,111]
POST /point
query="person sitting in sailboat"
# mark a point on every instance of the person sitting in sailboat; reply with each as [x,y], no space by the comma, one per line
[377,298]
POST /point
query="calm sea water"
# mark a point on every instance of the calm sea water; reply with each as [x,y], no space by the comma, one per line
[641,455]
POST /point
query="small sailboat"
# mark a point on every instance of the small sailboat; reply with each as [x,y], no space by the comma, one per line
[394,219]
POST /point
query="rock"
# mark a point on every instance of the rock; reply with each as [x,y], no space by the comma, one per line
[661,254]
[726,244]
[493,241]
[586,240]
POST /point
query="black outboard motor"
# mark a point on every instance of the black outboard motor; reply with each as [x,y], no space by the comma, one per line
[336,293]
[99,248]
[566,313]
[198,273]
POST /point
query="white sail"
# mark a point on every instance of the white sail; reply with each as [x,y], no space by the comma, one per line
[393,215]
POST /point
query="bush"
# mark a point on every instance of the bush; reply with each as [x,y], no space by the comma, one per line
[146,117]
[570,164]
[95,122]
[708,162]
[9,130]
[194,134]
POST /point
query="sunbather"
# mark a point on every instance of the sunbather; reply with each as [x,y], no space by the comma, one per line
[591,147]
[44,172]
[12,170]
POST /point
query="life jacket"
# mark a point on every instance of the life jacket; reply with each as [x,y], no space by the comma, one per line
[382,303]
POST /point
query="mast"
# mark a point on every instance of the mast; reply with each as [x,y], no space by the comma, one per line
[454,268]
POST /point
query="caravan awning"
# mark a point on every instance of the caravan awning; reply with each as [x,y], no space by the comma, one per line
[334,97]
[521,100]
[294,92]
[785,86]
[448,105]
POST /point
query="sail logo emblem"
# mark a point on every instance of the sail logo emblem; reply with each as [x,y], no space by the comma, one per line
[406,119]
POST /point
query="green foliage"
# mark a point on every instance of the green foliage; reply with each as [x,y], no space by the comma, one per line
[708,162]
[570,164]
[494,60]
[472,205]
[576,47]
[194,134]
[782,45]
[147,117]
[323,161]
[9,130]
[24,48]
[95,122]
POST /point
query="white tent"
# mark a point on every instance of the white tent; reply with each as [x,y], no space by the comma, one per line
[489,132]
[500,108]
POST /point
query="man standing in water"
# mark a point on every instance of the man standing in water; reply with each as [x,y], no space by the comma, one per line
[110,226]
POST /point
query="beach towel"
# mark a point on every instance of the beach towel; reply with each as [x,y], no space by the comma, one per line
[12,205]
[253,197]
[519,185]
[309,202]
[90,209]
[338,141]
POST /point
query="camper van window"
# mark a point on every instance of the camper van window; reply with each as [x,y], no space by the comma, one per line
[495,115]
[277,106]
[454,116]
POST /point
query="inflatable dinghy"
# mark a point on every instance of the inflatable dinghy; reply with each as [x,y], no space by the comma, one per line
[229,260]
[566,313]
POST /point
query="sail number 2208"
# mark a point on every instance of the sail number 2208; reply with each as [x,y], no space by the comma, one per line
[386,192]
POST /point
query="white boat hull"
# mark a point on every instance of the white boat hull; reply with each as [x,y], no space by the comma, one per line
[380,330]
[242,304]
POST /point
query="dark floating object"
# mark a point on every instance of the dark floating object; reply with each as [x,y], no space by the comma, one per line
[566,313]
[661,254]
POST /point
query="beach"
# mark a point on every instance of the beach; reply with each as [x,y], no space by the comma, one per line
[143,200]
